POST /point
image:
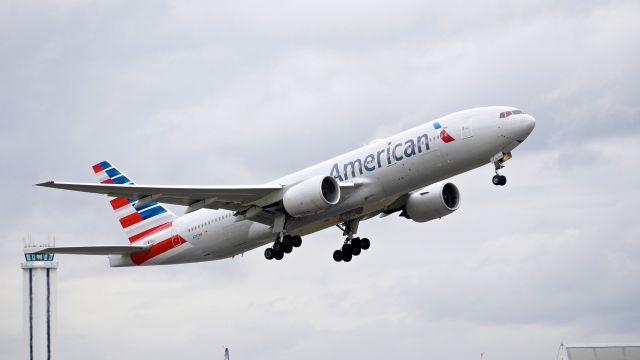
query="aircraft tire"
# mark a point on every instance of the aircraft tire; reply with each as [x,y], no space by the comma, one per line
[503,180]
[346,256]
[365,243]
[355,250]
[356,243]
[277,246]
[337,255]
[287,248]
[296,241]
[496,180]
[278,255]
[286,240]
[269,253]
[346,249]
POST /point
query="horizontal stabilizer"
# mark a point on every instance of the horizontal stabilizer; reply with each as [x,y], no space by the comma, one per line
[91,250]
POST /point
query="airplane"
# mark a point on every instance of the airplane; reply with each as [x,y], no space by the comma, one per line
[404,173]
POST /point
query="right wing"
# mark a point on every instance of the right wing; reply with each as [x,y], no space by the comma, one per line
[91,250]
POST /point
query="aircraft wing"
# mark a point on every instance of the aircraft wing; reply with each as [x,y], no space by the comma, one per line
[91,250]
[196,197]
[249,201]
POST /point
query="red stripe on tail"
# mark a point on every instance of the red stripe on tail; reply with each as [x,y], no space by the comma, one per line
[117,203]
[149,232]
[130,219]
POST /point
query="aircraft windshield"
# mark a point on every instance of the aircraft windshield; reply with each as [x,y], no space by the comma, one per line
[506,114]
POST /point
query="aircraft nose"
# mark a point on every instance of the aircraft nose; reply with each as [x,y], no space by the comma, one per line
[525,126]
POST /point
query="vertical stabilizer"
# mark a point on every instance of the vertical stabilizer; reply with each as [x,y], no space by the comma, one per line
[138,222]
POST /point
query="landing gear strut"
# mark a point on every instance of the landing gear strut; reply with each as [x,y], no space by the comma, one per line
[352,246]
[283,245]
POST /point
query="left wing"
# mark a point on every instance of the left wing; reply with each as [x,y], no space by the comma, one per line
[233,197]
[251,202]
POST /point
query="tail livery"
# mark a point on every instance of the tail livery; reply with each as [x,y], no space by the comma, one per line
[140,220]
[137,221]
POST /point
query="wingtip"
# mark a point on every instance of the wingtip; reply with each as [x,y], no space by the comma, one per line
[45,184]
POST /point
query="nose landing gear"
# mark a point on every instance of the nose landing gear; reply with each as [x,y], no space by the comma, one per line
[500,180]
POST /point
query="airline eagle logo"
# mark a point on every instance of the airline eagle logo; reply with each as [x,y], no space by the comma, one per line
[444,135]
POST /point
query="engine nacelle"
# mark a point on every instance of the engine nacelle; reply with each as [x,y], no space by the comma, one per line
[311,196]
[432,202]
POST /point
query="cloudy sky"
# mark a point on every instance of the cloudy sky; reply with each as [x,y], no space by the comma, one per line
[228,92]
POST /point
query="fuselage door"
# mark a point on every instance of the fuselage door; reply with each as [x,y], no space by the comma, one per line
[466,129]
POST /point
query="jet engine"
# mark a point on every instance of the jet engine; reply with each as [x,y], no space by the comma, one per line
[432,202]
[311,196]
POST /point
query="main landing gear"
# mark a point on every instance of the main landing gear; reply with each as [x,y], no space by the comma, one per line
[283,245]
[352,246]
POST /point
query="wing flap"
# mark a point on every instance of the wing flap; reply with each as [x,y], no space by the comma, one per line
[91,250]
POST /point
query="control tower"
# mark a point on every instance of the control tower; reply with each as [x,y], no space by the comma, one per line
[39,305]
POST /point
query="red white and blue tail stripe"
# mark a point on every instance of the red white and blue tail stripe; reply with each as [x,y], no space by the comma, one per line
[138,222]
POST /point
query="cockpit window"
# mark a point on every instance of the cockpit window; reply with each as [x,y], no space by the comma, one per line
[506,114]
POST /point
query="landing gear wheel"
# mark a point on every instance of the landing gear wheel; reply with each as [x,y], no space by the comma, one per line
[355,250]
[346,249]
[356,243]
[286,240]
[499,180]
[346,256]
[278,255]
[287,248]
[296,241]
[337,255]
[496,180]
[277,246]
[365,243]
[269,253]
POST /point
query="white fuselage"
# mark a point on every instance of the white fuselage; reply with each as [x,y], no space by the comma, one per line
[385,170]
